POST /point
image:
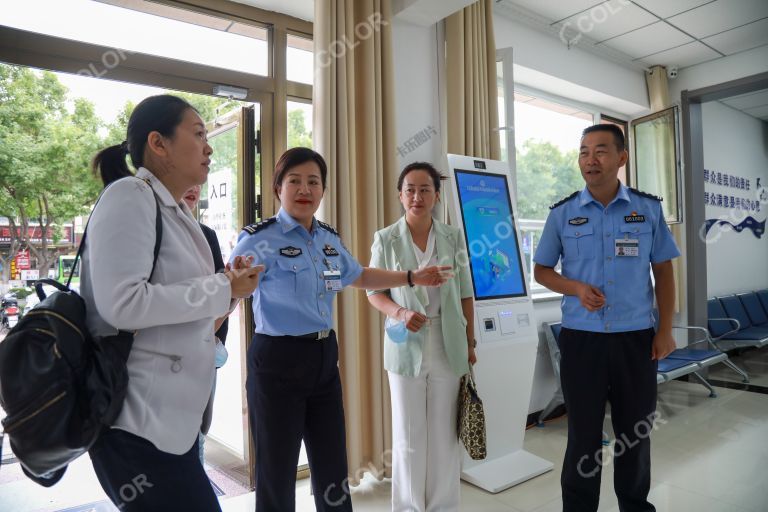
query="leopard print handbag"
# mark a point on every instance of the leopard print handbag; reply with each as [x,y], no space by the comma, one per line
[471,421]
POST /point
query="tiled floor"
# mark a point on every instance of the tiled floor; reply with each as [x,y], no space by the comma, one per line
[711,455]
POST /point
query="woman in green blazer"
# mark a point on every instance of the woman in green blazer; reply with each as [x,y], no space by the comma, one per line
[424,368]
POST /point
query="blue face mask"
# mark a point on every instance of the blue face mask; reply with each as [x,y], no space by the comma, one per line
[221,354]
[396,330]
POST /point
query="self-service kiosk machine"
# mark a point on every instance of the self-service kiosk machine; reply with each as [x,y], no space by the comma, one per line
[505,327]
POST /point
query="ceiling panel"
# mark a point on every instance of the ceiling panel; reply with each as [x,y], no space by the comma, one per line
[740,39]
[556,10]
[720,16]
[687,55]
[649,40]
[751,100]
[610,19]
[667,8]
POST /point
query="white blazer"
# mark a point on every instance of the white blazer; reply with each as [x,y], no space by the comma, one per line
[171,365]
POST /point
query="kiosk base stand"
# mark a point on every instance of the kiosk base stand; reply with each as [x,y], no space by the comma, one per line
[505,326]
[504,472]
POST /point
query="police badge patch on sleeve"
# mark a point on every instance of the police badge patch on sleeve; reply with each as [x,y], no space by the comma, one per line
[290,251]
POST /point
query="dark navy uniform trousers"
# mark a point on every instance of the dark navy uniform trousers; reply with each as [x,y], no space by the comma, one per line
[294,393]
[616,368]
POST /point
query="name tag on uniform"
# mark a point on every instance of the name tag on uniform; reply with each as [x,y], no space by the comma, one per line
[328,250]
[332,280]
[626,247]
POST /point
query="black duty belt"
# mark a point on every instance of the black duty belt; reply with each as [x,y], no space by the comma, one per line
[319,335]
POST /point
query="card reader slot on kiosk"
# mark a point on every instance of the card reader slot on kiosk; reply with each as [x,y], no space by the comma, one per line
[504,324]
[508,322]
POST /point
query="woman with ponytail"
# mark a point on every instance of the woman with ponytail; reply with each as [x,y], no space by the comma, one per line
[149,459]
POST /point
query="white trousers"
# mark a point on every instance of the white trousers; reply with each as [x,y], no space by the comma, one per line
[426,460]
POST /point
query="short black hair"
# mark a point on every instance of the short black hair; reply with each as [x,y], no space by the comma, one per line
[420,166]
[294,157]
[618,133]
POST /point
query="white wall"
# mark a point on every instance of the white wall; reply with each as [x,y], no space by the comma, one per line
[417,107]
[735,144]
[427,12]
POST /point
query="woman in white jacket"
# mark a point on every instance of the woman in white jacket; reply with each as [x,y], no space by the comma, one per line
[149,459]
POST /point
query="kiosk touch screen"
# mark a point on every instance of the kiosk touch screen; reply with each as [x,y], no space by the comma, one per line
[486,208]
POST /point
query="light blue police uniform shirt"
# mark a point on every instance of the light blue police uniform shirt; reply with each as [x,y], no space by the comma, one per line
[583,233]
[291,298]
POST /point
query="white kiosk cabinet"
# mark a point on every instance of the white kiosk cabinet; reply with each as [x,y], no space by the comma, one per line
[505,327]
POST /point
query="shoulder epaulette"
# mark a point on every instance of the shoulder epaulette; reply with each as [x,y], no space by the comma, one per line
[564,200]
[327,227]
[255,228]
[645,194]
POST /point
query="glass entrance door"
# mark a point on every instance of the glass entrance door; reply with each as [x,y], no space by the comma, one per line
[227,203]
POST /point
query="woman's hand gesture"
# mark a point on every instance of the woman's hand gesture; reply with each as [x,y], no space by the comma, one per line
[243,277]
[432,276]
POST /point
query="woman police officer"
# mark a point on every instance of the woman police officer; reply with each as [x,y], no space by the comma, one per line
[293,384]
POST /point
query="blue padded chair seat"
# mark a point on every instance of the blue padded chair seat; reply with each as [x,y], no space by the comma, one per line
[715,310]
[668,365]
[731,307]
[754,309]
[735,309]
[763,296]
[689,354]
[752,333]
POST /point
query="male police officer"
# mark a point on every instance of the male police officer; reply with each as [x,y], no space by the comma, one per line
[608,235]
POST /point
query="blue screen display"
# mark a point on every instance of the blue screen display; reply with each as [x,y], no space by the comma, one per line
[489,227]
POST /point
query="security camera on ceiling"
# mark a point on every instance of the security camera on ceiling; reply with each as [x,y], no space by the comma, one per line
[672,71]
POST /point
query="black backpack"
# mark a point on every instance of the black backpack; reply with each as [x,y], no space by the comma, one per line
[58,384]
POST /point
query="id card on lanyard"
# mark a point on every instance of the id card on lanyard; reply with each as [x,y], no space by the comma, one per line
[331,277]
[627,247]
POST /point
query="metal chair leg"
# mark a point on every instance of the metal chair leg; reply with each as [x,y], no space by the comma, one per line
[706,384]
[730,364]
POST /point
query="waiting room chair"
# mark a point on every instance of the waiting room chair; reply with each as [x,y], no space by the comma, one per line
[730,326]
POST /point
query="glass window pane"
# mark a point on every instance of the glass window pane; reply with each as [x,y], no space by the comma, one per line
[300,60]
[656,159]
[299,124]
[547,138]
[155,30]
